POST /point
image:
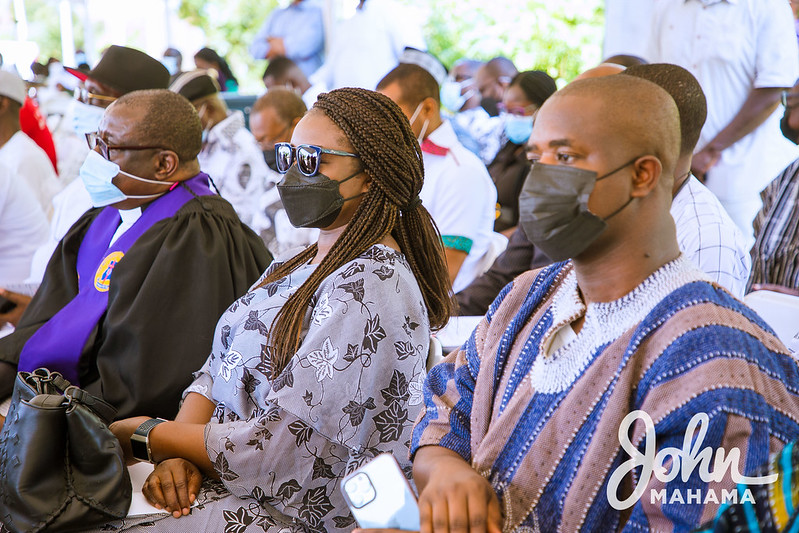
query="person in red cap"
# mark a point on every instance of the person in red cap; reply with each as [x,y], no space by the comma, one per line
[121,70]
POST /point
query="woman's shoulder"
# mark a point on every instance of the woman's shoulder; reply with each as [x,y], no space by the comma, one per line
[380,260]
[378,268]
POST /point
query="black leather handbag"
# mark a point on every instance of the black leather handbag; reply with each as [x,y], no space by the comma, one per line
[61,468]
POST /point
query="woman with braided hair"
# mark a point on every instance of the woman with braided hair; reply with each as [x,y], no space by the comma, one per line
[320,366]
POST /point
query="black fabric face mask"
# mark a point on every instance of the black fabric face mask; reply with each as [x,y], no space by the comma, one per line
[491,105]
[553,209]
[788,132]
[311,202]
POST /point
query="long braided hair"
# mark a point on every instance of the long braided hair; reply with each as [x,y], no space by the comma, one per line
[390,154]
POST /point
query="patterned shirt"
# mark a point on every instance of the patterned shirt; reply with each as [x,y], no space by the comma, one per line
[281,443]
[709,237]
[236,164]
[775,255]
[545,430]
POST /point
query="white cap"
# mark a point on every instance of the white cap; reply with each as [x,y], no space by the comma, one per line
[12,86]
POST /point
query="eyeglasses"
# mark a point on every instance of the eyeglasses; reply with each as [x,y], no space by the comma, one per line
[517,111]
[94,139]
[787,95]
[307,157]
[82,94]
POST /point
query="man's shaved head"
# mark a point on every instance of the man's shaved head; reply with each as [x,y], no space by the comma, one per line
[501,66]
[687,94]
[167,120]
[630,116]
[605,69]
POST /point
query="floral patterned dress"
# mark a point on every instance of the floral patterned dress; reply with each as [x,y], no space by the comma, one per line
[281,443]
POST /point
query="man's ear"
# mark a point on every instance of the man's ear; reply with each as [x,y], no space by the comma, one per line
[166,164]
[430,107]
[648,172]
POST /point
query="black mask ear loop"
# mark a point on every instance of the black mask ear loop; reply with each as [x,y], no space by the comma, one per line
[347,179]
[617,211]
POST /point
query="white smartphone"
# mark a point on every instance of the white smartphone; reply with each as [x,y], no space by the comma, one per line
[379,496]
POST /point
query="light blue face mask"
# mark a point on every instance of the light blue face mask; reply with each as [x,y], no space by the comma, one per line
[86,118]
[451,96]
[97,174]
[171,64]
[518,129]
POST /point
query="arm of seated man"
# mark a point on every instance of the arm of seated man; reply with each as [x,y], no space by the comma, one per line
[453,497]
[456,249]
[455,259]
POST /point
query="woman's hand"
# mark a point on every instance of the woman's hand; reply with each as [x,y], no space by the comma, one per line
[173,486]
[123,429]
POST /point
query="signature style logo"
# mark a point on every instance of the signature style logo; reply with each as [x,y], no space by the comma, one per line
[684,461]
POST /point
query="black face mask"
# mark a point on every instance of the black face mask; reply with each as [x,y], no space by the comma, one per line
[491,105]
[553,209]
[271,159]
[311,202]
[790,133]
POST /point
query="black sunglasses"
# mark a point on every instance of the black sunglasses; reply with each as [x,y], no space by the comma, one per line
[94,139]
[307,157]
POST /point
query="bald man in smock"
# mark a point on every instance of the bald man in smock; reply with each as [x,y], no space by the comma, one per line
[586,375]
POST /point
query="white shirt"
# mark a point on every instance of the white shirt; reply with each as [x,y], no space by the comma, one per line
[128,217]
[368,45]
[26,160]
[68,206]
[732,47]
[708,237]
[460,196]
[70,148]
[282,237]
[235,162]
[23,227]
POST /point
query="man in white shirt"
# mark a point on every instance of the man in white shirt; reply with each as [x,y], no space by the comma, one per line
[367,45]
[457,191]
[23,227]
[23,157]
[230,153]
[743,52]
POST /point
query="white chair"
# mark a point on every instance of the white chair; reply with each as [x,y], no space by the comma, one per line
[781,312]
[498,244]
[435,353]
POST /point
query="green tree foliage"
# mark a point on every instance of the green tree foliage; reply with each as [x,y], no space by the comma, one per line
[230,26]
[561,38]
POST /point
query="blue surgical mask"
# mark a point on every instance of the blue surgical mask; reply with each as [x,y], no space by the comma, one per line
[451,97]
[171,64]
[97,174]
[86,118]
[518,129]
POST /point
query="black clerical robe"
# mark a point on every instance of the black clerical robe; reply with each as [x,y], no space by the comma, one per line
[164,300]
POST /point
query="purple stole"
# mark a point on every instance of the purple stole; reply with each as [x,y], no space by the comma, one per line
[59,343]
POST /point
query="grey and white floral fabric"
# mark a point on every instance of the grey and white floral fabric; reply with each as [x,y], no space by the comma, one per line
[281,443]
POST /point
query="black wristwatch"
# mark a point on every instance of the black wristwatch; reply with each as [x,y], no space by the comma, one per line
[140,440]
